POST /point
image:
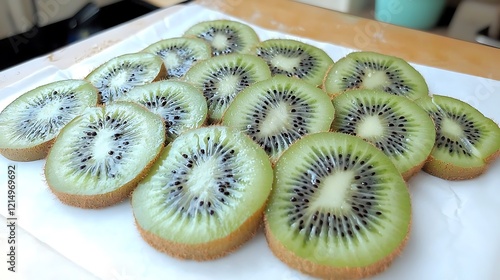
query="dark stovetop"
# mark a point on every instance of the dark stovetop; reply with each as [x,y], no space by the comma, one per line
[90,20]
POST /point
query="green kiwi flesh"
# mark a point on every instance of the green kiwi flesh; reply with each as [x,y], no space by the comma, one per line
[339,208]
[221,78]
[30,123]
[466,140]
[278,111]
[120,74]
[394,124]
[205,189]
[99,157]
[181,105]
[295,59]
[225,36]
[180,54]
[370,70]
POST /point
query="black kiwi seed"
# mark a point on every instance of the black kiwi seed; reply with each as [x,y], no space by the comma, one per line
[225,36]
[336,199]
[210,86]
[278,111]
[294,58]
[90,151]
[362,201]
[370,70]
[473,134]
[180,53]
[103,167]
[222,78]
[31,130]
[31,122]
[181,105]
[394,124]
[232,40]
[135,68]
[305,66]
[184,54]
[226,180]
[300,116]
[362,204]
[220,194]
[395,142]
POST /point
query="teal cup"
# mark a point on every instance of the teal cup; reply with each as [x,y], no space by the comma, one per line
[417,14]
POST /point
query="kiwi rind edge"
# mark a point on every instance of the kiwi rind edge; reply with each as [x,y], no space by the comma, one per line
[409,172]
[102,68]
[407,67]
[209,249]
[452,172]
[103,200]
[323,68]
[252,36]
[206,251]
[329,272]
[448,170]
[322,271]
[39,151]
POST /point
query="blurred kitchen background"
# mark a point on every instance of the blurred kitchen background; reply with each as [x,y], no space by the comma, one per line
[30,28]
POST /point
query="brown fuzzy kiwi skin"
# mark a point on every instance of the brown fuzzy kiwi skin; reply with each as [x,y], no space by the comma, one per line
[330,272]
[98,201]
[106,199]
[451,172]
[162,75]
[37,152]
[206,251]
[323,82]
[414,170]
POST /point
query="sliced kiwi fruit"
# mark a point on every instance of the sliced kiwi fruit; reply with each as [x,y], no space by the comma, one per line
[278,111]
[339,208]
[466,140]
[205,195]
[180,53]
[100,156]
[225,36]
[371,70]
[394,124]
[221,78]
[295,59]
[120,74]
[181,105]
[30,123]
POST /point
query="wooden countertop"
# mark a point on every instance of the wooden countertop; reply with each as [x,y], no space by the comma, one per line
[364,34]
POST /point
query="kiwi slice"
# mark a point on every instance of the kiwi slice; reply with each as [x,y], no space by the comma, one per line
[100,156]
[180,53]
[221,78]
[225,36]
[370,70]
[278,111]
[339,208]
[466,140]
[206,194]
[120,74]
[30,123]
[295,59]
[394,124]
[181,105]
